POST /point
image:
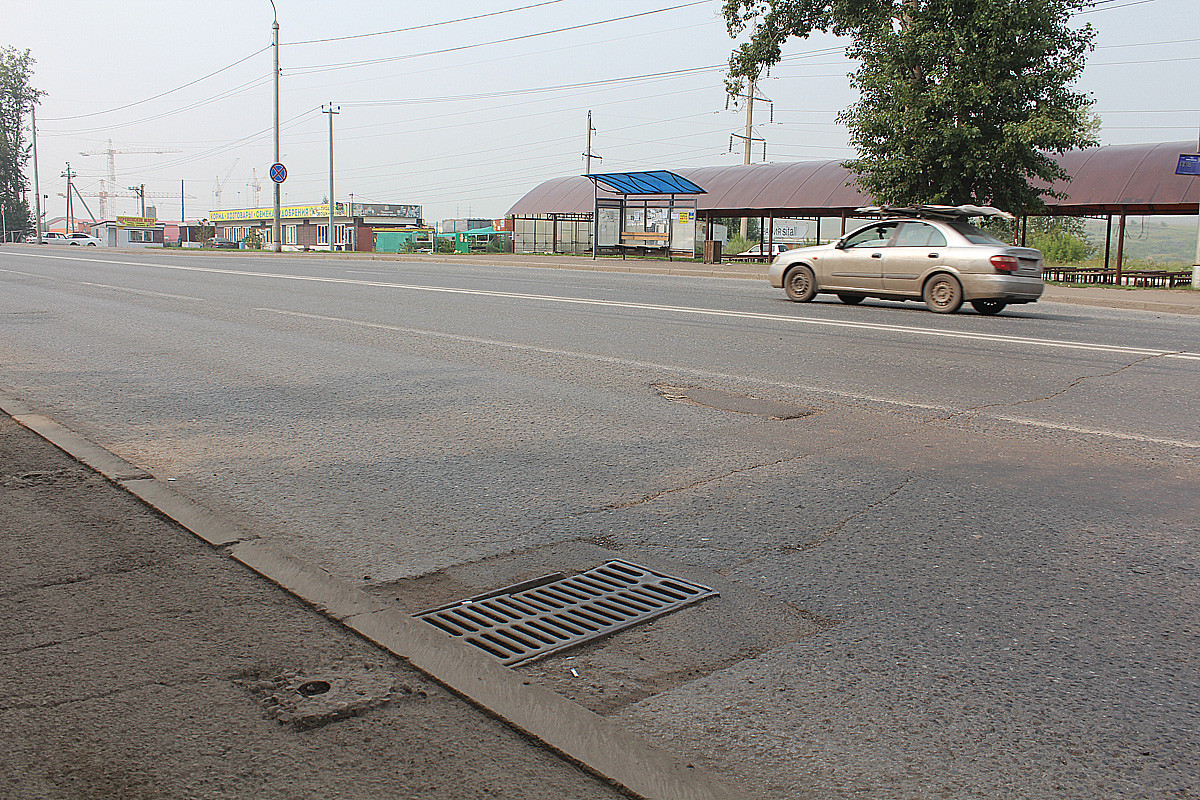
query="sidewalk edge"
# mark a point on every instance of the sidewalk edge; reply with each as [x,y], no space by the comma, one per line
[580,735]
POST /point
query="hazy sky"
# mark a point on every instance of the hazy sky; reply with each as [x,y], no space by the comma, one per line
[465,117]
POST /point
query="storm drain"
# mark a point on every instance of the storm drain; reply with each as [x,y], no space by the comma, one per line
[522,624]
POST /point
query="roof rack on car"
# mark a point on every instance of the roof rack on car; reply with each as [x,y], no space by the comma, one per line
[933,212]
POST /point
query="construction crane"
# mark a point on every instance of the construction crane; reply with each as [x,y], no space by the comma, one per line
[139,195]
[112,153]
[220,182]
[254,184]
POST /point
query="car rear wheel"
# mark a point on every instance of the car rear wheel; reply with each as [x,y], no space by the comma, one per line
[799,284]
[943,294]
[851,299]
[988,307]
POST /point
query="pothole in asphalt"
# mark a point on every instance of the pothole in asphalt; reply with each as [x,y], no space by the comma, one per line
[310,700]
[736,402]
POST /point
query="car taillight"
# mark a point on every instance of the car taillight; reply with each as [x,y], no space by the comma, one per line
[1005,263]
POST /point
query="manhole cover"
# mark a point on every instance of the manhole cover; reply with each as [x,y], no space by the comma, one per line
[732,401]
[310,701]
[521,624]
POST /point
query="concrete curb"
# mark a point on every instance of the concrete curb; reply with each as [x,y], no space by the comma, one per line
[591,741]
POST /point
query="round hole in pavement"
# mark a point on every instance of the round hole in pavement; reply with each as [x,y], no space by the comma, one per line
[313,688]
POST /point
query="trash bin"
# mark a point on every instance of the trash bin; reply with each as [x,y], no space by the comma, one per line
[712,251]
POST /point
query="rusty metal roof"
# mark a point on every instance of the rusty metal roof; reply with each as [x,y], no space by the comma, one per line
[1131,179]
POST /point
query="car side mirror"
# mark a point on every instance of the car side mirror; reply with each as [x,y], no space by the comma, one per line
[840,244]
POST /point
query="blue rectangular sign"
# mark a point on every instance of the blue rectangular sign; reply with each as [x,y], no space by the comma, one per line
[1188,165]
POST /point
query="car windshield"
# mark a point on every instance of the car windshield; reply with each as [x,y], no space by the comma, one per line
[974,235]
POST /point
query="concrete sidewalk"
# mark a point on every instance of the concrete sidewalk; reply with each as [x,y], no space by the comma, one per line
[142,663]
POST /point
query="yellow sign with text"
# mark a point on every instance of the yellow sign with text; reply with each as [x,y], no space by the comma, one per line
[286,212]
[137,222]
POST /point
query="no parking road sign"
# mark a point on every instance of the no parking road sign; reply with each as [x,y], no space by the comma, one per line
[278,172]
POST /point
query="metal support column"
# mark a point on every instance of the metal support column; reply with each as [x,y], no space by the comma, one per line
[1120,247]
[1107,240]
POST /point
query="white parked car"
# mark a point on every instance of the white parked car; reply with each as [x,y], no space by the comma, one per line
[773,249]
[75,239]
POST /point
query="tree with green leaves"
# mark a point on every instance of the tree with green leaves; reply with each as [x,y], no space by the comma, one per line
[960,101]
[17,98]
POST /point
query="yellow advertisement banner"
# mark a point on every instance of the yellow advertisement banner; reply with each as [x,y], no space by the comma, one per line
[137,222]
[286,212]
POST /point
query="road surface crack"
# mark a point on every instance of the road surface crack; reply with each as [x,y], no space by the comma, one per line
[653,496]
[87,697]
[1062,391]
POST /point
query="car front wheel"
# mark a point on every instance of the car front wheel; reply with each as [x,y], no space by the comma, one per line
[988,307]
[943,294]
[799,284]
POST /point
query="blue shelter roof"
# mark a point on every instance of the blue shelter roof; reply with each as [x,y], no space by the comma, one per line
[656,181]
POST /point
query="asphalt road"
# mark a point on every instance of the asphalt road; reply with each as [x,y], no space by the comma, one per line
[970,571]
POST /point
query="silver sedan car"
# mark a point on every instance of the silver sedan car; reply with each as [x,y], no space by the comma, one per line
[929,253]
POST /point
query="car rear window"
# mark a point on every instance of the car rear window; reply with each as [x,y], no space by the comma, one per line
[975,235]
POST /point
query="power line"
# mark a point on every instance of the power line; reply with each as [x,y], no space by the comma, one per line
[1109,8]
[314,68]
[162,94]
[197,104]
[421,27]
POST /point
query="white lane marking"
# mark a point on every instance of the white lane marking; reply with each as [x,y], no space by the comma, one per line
[624,362]
[1139,352]
[104,286]
[1132,437]
[742,379]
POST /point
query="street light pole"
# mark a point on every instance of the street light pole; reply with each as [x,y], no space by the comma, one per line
[37,194]
[276,241]
[330,110]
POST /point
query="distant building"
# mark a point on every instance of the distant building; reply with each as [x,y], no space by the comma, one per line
[135,232]
[307,227]
[462,225]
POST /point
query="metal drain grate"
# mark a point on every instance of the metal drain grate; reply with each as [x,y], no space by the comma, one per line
[523,624]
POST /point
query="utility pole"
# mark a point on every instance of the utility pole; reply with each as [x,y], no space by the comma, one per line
[182,201]
[140,191]
[748,138]
[68,174]
[588,155]
[331,111]
[276,240]
[37,194]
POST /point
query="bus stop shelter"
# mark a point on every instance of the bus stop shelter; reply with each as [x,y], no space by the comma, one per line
[643,212]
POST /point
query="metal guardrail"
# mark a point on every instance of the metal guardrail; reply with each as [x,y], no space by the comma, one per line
[1111,277]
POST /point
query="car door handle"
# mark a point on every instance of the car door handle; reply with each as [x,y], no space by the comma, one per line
[933,255]
[876,255]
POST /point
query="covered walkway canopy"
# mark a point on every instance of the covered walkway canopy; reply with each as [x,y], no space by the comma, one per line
[1111,181]
[1116,179]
